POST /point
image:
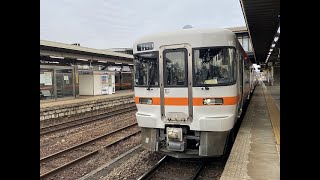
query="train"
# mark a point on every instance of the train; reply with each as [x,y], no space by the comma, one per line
[190,87]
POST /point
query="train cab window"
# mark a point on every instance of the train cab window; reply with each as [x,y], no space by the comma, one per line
[146,69]
[214,66]
[175,67]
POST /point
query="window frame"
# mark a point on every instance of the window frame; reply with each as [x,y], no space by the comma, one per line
[194,84]
[185,65]
[134,77]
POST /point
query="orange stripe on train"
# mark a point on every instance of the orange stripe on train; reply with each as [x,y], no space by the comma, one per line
[177,101]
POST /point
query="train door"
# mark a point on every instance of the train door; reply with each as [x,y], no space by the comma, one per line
[176,83]
[251,79]
[241,66]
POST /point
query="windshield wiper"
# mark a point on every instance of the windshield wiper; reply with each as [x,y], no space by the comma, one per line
[149,85]
[151,77]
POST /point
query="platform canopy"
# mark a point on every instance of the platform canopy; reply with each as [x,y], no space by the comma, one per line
[263,21]
[66,52]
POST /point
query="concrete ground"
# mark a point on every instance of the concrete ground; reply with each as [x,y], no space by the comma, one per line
[254,154]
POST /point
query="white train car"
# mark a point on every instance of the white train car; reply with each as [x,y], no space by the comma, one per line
[190,87]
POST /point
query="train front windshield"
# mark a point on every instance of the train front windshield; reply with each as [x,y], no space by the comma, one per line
[146,69]
[214,66]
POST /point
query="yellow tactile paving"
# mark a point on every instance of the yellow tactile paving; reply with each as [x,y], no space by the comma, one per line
[274,116]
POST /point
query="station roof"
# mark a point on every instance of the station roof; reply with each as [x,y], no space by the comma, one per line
[262,19]
[68,48]
[239,29]
[119,49]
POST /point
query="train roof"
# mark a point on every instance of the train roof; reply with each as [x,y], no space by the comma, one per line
[195,37]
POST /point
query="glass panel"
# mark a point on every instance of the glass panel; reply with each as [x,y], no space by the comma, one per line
[247,73]
[245,44]
[240,40]
[46,84]
[175,68]
[77,83]
[64,83]
[126,81]
[146,69]
[241,70]
[250,47]
[214,66]
[118,80]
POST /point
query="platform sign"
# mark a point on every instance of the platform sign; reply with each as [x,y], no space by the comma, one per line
[46,78]
[41,78]
[104,84]
[104,79]
[113,80]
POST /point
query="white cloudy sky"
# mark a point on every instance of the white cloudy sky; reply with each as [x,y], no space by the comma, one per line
[106,24]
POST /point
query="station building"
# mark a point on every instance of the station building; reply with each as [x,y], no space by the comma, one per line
[62,65]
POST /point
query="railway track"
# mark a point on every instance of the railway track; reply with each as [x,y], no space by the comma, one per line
[168,168]
[77,153]
[82,121]
[151,171]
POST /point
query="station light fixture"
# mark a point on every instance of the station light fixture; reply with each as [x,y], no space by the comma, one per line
[117,63]
[275,40]
[267,58]
[80,59]
[56,57]
[130,64]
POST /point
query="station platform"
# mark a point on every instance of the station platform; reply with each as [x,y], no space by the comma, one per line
[82,99]
[272,96]
[274,92]
[256,150]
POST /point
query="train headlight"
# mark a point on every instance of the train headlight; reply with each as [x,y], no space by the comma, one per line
[145,100]
[213,101]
